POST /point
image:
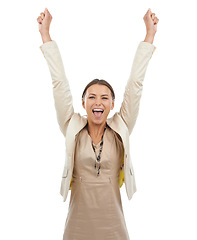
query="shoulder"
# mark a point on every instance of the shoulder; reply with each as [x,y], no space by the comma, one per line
[116,121]
[78,117]
[77,122]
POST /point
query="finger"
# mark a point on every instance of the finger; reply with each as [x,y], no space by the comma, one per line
[42,15]
[156,20]
[47,14]
[46,11]
[149,11]
[39,19]
[148,14]
[153,16]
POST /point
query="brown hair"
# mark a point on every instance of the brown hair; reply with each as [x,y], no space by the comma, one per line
[101,82]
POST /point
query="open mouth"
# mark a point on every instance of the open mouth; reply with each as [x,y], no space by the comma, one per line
[97,112]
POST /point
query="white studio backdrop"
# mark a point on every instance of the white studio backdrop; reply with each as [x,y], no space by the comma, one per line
[98,39]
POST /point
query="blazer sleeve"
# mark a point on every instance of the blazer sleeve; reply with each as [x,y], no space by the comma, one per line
[61,90]
[130,106]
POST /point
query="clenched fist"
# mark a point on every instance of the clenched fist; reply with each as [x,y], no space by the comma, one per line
[151,22]
[44,21]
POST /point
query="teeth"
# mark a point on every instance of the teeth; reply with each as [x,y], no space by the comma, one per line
[97,110]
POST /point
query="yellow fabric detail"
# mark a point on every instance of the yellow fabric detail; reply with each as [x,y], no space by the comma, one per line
[121,176]
[71,183]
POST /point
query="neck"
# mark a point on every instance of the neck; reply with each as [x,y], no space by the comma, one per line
[96,130]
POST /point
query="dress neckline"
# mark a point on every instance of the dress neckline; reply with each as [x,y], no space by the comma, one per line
[95,145]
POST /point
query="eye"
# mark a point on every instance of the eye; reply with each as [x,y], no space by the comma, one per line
[102,97]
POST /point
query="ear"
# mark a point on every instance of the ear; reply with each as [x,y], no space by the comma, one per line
[112,106]
[83,103]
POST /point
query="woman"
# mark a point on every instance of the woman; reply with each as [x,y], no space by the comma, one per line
[97,148]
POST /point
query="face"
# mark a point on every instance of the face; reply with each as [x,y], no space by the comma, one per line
[98,97]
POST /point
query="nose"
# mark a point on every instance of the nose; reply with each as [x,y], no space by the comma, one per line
[98,101]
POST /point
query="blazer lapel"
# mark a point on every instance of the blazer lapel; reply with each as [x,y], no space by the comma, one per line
[78,122]
[75,125]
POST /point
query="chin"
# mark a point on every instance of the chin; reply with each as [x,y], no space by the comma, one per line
[97,121]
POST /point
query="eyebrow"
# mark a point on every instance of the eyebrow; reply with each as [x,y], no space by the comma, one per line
[101,95]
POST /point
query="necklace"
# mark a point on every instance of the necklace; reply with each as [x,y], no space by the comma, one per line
[98,158]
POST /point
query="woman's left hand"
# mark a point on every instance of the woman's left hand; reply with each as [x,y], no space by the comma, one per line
[151,22]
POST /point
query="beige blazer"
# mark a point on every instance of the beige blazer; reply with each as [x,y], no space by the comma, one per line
[122,122]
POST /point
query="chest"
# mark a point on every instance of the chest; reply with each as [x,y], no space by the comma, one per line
[111,144]
[96,140]
[86,156]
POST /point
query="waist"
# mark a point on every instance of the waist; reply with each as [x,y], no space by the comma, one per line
[97,179]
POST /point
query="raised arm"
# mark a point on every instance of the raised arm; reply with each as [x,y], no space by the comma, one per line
[61,90]
[133,90]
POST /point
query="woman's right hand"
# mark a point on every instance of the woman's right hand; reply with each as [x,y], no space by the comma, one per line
[44,21]
[151,22]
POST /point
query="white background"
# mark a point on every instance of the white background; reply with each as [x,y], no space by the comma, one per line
[98,39]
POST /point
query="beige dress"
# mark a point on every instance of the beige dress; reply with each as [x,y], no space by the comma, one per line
[95,208]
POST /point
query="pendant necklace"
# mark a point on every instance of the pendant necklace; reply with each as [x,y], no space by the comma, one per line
[98,158]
